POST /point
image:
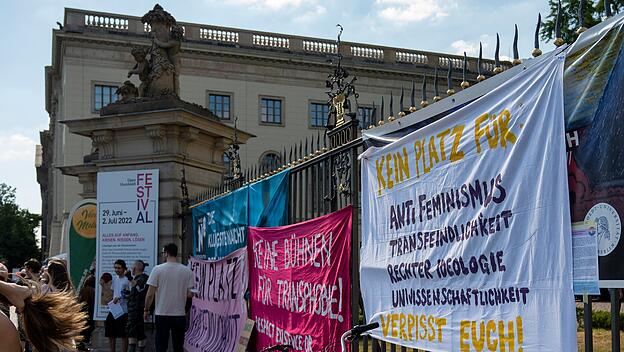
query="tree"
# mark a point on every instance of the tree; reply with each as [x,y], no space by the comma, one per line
[593,13]
[17,230]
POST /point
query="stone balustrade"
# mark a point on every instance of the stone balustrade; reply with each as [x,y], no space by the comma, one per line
[77,20]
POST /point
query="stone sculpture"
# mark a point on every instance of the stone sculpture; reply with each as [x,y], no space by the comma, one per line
[158,66]
[141,68]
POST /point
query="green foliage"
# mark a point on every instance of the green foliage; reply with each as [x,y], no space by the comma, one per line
[600,319]
[593,13]
[17,230]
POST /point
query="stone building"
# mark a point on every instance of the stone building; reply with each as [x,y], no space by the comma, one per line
[274,84]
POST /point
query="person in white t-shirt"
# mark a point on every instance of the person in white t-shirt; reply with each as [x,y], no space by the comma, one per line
[171,283]
[114,328]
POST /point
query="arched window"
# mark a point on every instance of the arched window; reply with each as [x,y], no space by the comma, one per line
[270,160]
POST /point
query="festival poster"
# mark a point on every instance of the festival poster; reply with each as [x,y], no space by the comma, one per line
[300,282]
[127,226]
[220,225]
[81,227]
[466,239]
[219,311]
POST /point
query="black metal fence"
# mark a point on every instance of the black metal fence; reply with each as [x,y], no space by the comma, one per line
[325,177]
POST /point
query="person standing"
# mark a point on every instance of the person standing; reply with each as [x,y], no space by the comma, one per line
[87,297]
[4,277]
[33,270]
[114,328]
[136,303]
[171,283]
[58,277]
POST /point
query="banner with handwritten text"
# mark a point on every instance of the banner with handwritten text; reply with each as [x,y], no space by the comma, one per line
[220,225]
[219,311]
[466,240]
[300,282]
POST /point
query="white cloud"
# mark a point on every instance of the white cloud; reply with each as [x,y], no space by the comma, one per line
[461,46]
[471,47]
[266,4]
[406,11]
[312,14]
[17,147]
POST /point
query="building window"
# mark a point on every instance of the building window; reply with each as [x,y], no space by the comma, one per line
[271,110]
[365,115]
[103,95]
[270,161]
[318,114]
[219,104]
[226,166]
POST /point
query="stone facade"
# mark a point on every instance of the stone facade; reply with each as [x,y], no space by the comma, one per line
[95,49]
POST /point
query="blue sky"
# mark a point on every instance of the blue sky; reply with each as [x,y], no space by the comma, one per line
[450,26]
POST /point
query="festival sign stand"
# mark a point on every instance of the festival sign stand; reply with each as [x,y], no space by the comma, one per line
[127,218]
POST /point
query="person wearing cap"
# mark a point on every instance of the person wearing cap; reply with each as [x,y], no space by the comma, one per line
[135,328]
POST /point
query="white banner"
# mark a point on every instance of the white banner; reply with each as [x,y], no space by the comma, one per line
[127,226]
[466,240]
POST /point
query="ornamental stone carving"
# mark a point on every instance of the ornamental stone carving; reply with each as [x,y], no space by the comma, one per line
[102,141]
[187,136]
[158,134]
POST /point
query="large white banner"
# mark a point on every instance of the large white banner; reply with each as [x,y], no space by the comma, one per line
[127,226]
[466,241]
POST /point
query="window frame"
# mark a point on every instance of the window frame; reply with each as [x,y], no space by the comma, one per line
[222,93]
[365,106]
[92,92]
[310,125]
[282,110]
[268,152]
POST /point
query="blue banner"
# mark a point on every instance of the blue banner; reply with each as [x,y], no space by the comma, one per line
[220,225]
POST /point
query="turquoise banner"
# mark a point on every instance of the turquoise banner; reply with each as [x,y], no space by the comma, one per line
[220,225]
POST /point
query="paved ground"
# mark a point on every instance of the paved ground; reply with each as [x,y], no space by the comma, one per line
[100,342]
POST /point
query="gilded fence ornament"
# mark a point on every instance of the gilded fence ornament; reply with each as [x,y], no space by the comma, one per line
[497,65]
[436,92]
[391,116]
[449,81]
[413,98]
[516,56]
[464,84]
[536,49]
[480,76]
[581,18]
[558,40]
[401,106]
[341,89]
[424,102]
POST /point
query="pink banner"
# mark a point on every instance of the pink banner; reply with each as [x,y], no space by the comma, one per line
[300,282]
[219,311]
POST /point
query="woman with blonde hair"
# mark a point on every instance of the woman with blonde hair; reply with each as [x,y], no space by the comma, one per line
[52,321]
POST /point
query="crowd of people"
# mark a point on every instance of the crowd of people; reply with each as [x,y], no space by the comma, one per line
[134,293]
[50,316]
[38,291]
